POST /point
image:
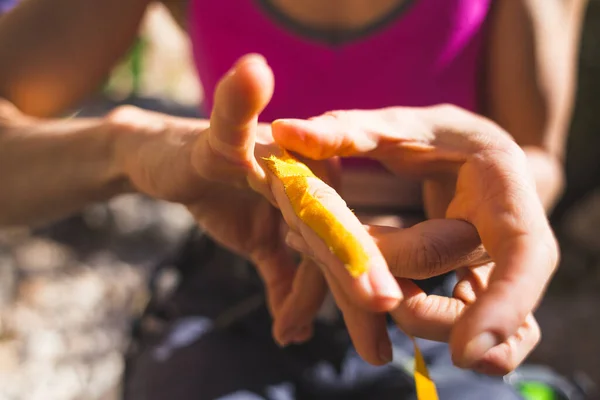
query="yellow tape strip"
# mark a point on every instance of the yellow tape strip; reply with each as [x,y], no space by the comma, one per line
[425,387]
[294,176]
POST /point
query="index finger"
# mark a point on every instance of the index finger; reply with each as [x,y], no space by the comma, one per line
[338,239]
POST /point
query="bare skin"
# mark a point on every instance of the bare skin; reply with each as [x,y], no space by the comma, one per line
[46,77]
[544,86]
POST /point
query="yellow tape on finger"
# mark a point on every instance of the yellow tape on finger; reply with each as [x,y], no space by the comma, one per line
[294,176]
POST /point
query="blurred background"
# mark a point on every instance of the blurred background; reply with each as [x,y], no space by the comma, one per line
[70,292]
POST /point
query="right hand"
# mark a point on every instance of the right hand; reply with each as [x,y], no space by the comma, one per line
[488,224]
[215,171]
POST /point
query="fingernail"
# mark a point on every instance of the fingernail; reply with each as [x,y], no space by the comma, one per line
[477,347]
[252,58]
[247,59]
[385,351]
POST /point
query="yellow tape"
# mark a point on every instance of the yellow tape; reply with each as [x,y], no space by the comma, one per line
[424,385]
[294,175]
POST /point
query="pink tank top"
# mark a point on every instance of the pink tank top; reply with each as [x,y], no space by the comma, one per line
[429,53]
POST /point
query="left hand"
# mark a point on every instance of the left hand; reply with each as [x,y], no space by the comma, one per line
[217,170]
[477,178]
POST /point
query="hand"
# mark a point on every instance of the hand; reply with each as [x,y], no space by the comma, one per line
[217,172]
[476,177]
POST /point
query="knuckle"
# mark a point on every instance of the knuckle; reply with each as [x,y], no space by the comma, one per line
[421,309]
[406,317]
[336,115]
[203,162]
[417,310]
[9,112]
[448,109]
[204,168]
[498,142]
[322,191]
[535,335]
[429,256]
[213,166]
[512,316]
[124,114]
[346,133]
[131,117]
[508,152]
[553,252]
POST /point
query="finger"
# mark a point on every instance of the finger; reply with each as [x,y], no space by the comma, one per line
[375,289]
[277,271]
[331,134]
[472,282]
[274,262]
[430,317]
[297,242]
[426,316]
[294,323]
[404,135]
[367,330]
[515,231]
[11,114]
[301,305]
[434,317]
[239,97]
[507,356]
[430,248]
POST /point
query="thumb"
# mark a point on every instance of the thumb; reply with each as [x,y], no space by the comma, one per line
[240,96]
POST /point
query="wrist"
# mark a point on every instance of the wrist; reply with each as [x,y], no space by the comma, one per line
[548,174]
[118,139]
[53,167]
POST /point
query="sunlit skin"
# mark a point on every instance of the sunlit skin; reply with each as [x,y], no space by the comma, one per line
[491,198]
[478,183]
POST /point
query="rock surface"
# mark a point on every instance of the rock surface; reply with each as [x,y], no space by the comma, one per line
[70,292]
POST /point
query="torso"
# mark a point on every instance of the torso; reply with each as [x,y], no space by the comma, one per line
[378,53]
[341,15]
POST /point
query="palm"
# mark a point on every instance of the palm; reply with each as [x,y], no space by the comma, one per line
[159,159]
[221,200]
[240,219]
[215,170]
